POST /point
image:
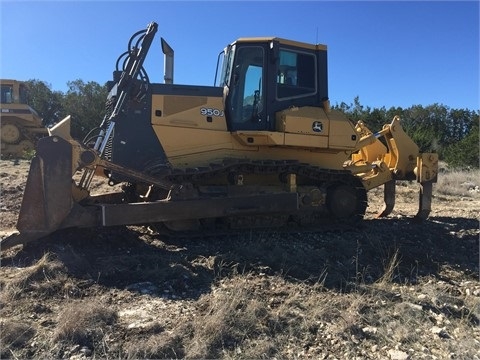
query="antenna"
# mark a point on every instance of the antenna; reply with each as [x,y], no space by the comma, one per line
[316,38]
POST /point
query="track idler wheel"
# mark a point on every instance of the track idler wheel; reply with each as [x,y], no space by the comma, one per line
[11,133]
[346,202]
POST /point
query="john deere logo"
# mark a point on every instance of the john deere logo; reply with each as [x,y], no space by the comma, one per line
[317,126]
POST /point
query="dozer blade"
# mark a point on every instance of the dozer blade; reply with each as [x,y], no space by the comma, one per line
[47,203]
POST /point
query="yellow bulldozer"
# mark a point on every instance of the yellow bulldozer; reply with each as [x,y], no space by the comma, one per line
[260,148]
[21,126]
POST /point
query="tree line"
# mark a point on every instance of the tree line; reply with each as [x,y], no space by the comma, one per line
[84,101]
[452,133]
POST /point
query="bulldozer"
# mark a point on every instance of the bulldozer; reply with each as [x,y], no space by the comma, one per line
[261,148]
[21,126]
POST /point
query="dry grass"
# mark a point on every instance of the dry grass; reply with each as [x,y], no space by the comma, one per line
[48,277]
[20,293]
[246,316]
[157,346]
[459,183]
[83,322]
[228,318]
[14,335]
[390,267]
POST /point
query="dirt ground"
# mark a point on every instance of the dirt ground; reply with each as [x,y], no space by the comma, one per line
[389,289]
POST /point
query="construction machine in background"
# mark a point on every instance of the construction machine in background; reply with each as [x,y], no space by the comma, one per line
[21,126]
[260,148]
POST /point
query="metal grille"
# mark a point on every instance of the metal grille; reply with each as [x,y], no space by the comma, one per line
[109,107]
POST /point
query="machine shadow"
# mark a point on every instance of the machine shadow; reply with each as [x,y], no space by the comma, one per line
[138,260]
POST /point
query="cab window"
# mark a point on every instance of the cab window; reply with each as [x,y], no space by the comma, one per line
[296,74]
[23,92]
[7,94]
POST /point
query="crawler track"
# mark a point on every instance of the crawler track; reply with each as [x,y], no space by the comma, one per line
[329,199]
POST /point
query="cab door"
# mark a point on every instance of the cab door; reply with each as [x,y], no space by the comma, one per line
[245,102]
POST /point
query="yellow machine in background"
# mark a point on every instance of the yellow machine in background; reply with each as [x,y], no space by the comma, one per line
[261,148]
[21,126]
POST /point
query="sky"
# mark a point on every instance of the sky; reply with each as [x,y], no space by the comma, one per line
[389,54]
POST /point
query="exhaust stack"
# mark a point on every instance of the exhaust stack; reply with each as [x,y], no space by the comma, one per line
[168,62]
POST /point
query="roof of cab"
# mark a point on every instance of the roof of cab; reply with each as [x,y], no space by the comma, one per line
[283,41]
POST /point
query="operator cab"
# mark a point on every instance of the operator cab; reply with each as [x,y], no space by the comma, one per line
[262,76]
[13,92]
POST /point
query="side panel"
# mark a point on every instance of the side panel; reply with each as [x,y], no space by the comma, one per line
[301,140]
[187,105]
[25,113]
[135,144]
[342,132]
[180,141]
[304,127]
[313,127]
[191,147]
[200,112]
